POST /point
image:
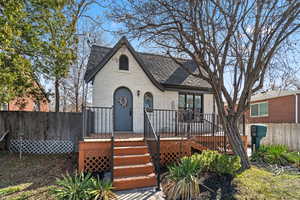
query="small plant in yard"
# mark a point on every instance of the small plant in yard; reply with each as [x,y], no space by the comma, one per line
[83,187]
[293,157]
[213,161]
[73,187]
[276,154]
[101,190]
[182,180]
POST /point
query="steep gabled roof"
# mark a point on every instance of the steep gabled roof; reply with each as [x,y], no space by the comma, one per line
[163,71]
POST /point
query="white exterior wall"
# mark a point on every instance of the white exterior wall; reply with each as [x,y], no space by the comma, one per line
[208,103]
[110,78]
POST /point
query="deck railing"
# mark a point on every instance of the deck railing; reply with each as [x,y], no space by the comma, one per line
[177,123]
[153,143]
[98,121]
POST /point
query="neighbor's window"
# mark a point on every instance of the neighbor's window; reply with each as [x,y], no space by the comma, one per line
[259,109]
[4,107]
[36,106]
[123,62]
[148,100]
[190,102]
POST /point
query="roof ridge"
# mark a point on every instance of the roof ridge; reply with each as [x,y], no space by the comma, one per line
[145,53]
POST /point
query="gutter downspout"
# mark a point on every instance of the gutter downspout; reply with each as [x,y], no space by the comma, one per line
[296,109]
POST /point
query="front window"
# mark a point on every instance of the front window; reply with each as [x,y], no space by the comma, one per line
[259,109]
[36,106]
[148,101]
[191,102]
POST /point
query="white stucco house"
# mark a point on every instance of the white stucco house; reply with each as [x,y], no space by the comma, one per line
[146,112]
[131,81]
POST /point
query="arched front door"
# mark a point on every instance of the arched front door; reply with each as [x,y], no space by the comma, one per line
[123,109]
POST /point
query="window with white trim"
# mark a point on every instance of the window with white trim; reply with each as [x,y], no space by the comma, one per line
[148,101]
[123,63]
[259,109]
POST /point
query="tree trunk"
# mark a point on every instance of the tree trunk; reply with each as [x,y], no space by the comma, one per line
[235,140]
[76,99]
[57,96]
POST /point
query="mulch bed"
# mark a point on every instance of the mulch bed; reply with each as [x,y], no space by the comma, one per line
[220,187]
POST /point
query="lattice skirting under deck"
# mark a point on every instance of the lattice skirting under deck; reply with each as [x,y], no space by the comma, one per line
[41,146]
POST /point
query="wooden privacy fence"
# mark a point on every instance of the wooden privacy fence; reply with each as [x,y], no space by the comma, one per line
[48,130]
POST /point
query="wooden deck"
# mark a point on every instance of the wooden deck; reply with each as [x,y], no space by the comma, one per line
[95,152]
[130,158]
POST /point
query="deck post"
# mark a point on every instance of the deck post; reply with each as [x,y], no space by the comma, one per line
[158,163]
[112,145]
[84,122]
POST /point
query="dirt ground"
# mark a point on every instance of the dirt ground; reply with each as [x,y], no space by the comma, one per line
[33,176]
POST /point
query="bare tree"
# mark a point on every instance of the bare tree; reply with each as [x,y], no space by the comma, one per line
[73,85]
[239,37]
[283,73]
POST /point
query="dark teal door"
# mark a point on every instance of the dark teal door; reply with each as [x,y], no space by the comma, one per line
[123,109]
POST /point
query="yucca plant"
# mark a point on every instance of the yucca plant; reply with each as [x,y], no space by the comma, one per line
[73,187]
[182,180]
[101,190]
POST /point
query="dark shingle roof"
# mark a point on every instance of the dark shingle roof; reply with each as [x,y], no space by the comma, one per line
[161,69]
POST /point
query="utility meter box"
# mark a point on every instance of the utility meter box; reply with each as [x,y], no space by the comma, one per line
[257,133]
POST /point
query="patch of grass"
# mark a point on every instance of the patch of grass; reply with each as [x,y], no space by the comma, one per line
[257,183]
[9,190]
[22,196]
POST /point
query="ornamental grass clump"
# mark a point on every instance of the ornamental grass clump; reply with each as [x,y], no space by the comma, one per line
[215,162]
[73,187]
[276,154]
[182,180]
[83,187]
[101,190]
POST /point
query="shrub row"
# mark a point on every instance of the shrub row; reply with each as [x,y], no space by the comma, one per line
[183,179]
[276,154]
[222,164]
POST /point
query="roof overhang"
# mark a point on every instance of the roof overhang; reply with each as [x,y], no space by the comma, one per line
[184,88]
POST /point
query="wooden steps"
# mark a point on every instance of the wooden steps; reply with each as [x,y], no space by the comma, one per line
[132,166]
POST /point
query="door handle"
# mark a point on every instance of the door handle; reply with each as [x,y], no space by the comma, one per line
[130,112]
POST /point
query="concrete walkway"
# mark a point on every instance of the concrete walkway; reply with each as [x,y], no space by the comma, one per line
[140,194]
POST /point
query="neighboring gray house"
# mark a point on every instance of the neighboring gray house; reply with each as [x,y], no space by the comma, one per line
[132,81]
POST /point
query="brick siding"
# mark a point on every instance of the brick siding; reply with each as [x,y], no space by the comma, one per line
[281,110]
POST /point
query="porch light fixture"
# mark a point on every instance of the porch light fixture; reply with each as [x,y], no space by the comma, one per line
[138,93]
